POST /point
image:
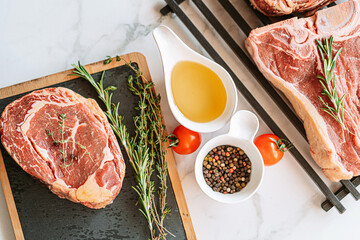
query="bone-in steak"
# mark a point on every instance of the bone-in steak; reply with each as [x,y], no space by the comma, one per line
[284,7]
[287,54]
[65,141]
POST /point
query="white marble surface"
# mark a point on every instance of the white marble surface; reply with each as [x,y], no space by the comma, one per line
[42,37]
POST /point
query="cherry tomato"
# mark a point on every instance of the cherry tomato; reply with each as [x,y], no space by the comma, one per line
[189,140]
[271,147]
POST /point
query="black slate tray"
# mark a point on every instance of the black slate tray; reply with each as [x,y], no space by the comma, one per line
[45,216]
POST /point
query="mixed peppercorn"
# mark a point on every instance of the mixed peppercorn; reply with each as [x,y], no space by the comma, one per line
[227,169]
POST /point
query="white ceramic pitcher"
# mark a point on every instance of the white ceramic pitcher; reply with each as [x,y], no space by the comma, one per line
[172,51]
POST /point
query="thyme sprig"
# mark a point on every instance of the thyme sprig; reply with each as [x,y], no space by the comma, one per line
[62,132]
[63,141]
[156,130]
[144,149]
[327,81]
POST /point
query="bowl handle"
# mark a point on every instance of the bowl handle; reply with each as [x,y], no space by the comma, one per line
[244,125]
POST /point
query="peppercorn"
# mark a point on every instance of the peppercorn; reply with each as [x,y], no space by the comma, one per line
[226,169]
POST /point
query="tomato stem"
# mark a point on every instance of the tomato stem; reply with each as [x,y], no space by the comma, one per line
[174,141]
[282,144]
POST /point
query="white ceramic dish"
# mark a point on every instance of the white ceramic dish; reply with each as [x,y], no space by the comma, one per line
[243,127]
[172,51]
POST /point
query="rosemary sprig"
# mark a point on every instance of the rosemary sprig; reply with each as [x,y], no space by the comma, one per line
[327,81]
[145,148]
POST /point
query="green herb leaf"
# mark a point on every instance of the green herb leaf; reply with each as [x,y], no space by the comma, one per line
[110,88]
[65,165]
[108,60]
[62,116]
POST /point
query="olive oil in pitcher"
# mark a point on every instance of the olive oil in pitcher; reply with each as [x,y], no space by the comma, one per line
[198,92]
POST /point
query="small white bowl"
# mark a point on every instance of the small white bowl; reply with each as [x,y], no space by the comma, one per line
[172,51]
[243,127]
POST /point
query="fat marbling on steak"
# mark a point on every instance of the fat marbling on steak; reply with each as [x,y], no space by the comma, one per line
[284,7]
[96,167]
[286,53]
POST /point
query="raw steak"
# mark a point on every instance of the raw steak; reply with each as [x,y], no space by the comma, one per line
[94,170]
[286,53]
[284,7]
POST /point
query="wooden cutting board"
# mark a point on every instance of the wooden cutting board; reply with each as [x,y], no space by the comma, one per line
[36,213]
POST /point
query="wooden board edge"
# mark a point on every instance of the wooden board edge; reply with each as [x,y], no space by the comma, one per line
[63,77]
[179,195]
[10,202]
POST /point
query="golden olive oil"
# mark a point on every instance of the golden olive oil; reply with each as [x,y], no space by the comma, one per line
[198,92]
